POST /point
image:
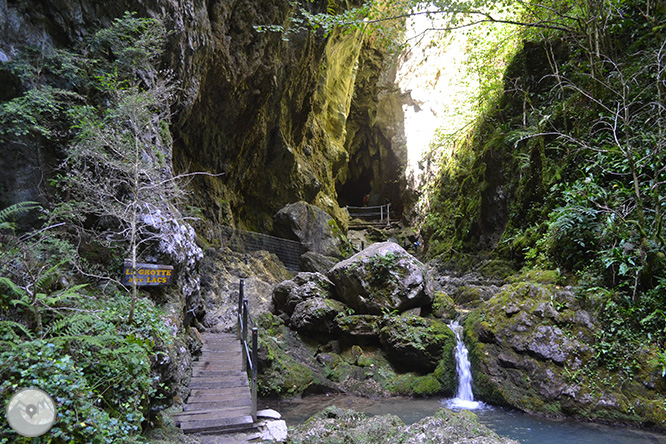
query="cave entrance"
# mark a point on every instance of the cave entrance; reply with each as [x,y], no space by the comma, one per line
[378,175]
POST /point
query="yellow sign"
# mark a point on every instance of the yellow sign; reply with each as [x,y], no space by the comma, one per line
[147,274]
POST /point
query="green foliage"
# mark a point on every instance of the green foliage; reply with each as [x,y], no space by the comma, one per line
[97,370]
[57,332]
[382,267]
[12,211]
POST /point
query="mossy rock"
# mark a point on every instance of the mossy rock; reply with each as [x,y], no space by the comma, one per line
[416,344]
[497,269]
[443,307]
[538,276]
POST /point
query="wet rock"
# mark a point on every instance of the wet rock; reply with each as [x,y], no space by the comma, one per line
[316,315]
[417,344]
[309,225]
[317,263]
[532,347]
[288,294]
[381,278]
[445,426]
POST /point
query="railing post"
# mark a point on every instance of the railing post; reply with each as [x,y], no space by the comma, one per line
[244,333]
[240,307]
[255,341]
[381,212]
[388,212]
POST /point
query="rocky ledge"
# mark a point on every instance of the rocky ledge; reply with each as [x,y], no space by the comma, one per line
[335,425]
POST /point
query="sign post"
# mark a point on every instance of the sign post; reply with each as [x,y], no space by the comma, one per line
[147,274]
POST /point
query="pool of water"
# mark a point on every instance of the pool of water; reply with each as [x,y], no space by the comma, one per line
[505,422]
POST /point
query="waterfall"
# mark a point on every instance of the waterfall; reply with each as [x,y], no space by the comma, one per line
[464,398]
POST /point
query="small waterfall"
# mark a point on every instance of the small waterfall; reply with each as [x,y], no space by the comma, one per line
[464,398]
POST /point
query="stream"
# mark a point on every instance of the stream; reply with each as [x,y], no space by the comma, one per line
[505,422]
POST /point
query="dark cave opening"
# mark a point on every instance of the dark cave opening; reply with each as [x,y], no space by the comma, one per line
[379,176]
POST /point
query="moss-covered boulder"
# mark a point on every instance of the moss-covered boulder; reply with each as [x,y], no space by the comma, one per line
[286,365]
[336,425]
[316,315]
[532,346]
[417,344]
[381,278]
[288,294]
[443,306]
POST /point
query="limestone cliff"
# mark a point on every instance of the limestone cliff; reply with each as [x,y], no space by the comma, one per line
[269,115]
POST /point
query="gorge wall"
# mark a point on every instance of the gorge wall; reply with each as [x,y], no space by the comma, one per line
[267,115]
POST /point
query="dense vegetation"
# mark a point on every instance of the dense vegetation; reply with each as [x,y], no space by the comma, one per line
[67,325]
[565,170]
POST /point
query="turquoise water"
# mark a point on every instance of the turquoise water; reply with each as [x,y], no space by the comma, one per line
[510,423]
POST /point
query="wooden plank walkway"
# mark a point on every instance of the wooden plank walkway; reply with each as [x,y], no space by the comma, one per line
[220,400]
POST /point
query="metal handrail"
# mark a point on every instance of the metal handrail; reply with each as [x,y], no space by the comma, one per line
[383,211]
[249,354]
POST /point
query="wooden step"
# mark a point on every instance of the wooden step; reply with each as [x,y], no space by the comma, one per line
[234,424]
[234,381]
[217,413]
[229,391]
[202,404]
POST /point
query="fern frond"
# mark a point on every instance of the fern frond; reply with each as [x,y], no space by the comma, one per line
[12,286]
[13,210]
[11,325]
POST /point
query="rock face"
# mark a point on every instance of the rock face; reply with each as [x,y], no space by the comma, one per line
[288,294]
[221,271]
[383,277]
[268,114]
[316,315]
[309,225]
[531,346]
[418,344]
[315,262]
[335,425]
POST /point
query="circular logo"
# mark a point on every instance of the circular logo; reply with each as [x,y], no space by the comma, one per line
[31,412]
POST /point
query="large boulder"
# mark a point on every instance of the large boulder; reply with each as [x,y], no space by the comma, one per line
[382,278]
[418,344]
[288,294]
[317,263]
[534,347]
[316,315]
[309,225]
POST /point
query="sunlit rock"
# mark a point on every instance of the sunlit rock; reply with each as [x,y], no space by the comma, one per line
[382,278]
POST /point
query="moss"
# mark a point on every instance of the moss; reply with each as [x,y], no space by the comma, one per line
[443,306]
[538,276]
[498,268]
[427,386]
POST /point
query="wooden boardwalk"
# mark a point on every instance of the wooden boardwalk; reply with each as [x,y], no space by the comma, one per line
[220,400]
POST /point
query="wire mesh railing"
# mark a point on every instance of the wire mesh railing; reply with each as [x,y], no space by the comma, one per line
[288,251]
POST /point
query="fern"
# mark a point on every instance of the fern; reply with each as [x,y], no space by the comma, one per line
[13,210]
[8,328]
[85,323]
